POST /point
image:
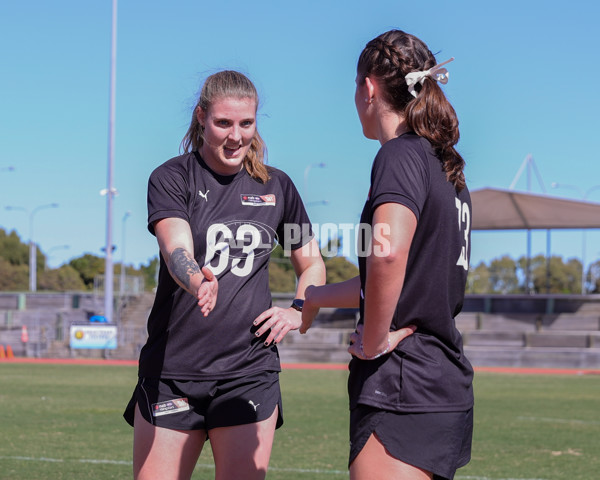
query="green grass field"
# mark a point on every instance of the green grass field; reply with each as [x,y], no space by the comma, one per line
[64,422]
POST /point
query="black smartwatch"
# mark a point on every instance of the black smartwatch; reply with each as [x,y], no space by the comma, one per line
[297,304]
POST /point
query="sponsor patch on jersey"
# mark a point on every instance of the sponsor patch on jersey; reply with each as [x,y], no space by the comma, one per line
[170,406]
[258,200]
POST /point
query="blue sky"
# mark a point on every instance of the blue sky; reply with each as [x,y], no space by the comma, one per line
[524,82]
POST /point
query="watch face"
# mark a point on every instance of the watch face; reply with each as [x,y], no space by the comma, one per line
[298,304]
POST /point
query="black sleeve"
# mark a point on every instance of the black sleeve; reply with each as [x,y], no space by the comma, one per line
[167,195]
[399,175]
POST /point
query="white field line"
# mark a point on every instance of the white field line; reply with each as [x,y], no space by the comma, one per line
[559,420]
[129,462]
[32,459]
[205,466]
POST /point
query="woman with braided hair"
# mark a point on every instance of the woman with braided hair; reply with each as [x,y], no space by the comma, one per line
[410,384]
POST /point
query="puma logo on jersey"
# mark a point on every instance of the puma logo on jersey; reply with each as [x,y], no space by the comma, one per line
[203,195]
[252,403]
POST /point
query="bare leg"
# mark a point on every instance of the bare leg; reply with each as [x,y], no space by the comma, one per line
[374,461]
[243,451]
[163,453]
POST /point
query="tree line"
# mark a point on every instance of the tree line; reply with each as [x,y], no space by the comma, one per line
[76,275]
[80,273]
[502,275]
[552,275]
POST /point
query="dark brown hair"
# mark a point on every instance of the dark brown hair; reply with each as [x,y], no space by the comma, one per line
[228,84]
[388,58]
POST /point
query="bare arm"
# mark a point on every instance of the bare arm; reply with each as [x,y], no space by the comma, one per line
[337,295]
[340,295]
[177,248]
[393,230]
[310,270]
[308,266]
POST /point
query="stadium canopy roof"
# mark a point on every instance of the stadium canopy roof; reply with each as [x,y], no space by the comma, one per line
[497,209]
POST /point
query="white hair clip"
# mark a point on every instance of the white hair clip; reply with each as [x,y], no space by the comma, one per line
[437,73]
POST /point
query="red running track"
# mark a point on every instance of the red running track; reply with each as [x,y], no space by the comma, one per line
[306,366]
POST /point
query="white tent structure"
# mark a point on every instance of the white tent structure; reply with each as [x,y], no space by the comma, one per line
[497,209]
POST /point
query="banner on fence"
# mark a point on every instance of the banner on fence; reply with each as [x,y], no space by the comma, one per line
[93,336]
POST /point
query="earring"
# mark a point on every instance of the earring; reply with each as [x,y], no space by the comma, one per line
[369,100]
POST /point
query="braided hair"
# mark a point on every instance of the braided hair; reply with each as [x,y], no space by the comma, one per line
[391,56]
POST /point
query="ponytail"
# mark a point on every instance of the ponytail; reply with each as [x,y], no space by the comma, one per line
[430,115]
[389,58]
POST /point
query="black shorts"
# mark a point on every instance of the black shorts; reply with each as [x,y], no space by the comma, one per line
[204,405]
[437,442]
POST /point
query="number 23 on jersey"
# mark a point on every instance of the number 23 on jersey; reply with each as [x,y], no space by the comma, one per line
[464,225]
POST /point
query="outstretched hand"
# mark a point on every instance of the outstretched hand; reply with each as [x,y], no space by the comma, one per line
[207,293]
[280,321]
[395,337]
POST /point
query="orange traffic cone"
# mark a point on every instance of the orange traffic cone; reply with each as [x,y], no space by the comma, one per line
[2,353]
[9,352]
[24,334]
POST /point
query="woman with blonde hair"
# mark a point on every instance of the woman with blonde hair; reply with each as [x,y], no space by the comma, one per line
[210,367]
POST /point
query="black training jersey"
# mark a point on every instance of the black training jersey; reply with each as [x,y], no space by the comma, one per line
[428,371]
[235,222]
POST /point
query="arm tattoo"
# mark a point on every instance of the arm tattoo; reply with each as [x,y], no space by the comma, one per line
[183,266]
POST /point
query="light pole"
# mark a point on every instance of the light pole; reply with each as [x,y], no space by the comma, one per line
[122,282]
[110,190]
[57,247]
[317,202]
[584,195]
[305,190]
[32,246]
[306,170]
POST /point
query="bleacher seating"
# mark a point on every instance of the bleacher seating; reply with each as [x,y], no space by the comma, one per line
[546,332]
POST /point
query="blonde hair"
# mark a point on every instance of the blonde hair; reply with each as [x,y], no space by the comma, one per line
[228,84]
